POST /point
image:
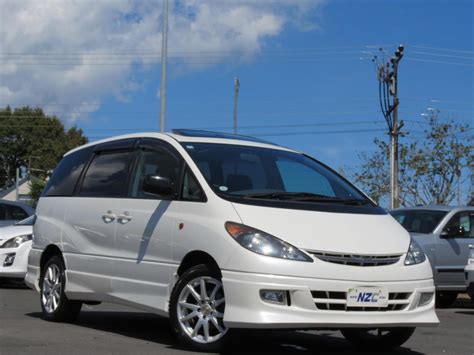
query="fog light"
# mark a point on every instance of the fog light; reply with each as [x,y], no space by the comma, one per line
[10,258]
[274,296]
[425,298]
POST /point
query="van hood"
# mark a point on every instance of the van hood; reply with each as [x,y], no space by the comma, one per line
[327,231]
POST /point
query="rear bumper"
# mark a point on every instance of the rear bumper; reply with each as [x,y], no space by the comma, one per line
[33,269]
[245,309]
[17,269]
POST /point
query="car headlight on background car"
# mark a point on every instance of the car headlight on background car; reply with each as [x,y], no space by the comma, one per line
[263,243]
[415,254]
[15,242]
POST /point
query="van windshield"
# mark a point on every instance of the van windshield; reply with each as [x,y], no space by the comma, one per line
[419,221]
[250,172]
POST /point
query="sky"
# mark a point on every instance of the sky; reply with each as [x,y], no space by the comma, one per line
[306,76]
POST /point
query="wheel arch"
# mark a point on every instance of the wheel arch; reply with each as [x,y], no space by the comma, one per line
[49,252]
[194,258]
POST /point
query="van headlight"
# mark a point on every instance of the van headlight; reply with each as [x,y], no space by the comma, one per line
[263,243]
[15,242]
[415,254]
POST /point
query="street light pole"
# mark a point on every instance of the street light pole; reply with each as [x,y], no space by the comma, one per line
[164,55]
[236,102]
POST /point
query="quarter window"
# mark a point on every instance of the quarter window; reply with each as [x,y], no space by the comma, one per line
[107,175]
[191,189]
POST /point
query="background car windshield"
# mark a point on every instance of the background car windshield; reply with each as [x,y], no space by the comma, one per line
[419,221]
[245,170]
[26,222]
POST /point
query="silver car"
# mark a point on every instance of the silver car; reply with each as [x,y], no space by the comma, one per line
[445,234]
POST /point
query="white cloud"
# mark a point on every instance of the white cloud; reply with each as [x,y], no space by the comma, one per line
[68,54]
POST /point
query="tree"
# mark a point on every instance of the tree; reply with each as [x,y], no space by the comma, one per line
[36,188]
[30,138]
[430,168]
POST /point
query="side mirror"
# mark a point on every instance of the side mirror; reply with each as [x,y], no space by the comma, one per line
[158,186]
[452,232]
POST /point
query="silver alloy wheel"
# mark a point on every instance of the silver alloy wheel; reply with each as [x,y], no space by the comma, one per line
[51,292]
[200,313]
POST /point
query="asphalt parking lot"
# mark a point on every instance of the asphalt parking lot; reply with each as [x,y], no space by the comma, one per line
[110,329]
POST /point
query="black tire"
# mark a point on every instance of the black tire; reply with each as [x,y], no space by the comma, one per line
[174,313]
[470,291]
[445,299]
[66,310]
[392,338]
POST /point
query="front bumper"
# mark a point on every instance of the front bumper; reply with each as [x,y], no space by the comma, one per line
[18,268]
[245,309]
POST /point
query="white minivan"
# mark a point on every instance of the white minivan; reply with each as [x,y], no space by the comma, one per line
[220,232]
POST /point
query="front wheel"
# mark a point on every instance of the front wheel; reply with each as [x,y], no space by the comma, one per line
[55,305]
[197,307]
[379,339]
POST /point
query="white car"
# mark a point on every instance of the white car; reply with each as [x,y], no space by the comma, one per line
[469,272]
[15,245]
[221,232]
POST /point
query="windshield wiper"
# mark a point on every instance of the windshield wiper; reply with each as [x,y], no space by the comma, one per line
[305,196]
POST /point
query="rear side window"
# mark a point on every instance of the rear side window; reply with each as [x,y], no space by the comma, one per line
[107,175]
[15,212]
[66,174]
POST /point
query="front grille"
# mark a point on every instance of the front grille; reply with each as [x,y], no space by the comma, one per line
[356,260]
[336,301]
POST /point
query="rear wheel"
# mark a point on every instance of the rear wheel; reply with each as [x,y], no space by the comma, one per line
[55,305]
[379,339]
[445,299]
[197,309]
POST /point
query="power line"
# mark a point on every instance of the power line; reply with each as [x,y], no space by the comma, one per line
[442,49]
[439,62]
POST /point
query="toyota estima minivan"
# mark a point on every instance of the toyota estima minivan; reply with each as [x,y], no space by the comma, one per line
[220,232]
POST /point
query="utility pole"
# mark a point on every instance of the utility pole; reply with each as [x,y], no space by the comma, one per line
[387,75]
[164,57]
[236,102]
[17,184]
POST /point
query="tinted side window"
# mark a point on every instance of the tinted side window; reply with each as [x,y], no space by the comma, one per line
[107,175]
[15,212]
[66,174]
[3,212]
[464,220]
[155,163]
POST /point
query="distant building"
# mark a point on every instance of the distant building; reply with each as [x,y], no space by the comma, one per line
[24,187]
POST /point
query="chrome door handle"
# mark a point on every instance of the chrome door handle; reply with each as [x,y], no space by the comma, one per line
[109,217]
[124,218]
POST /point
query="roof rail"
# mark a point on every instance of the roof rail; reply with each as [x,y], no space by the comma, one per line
[211,134]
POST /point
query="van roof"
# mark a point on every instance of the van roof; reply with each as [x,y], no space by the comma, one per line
[195,136]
